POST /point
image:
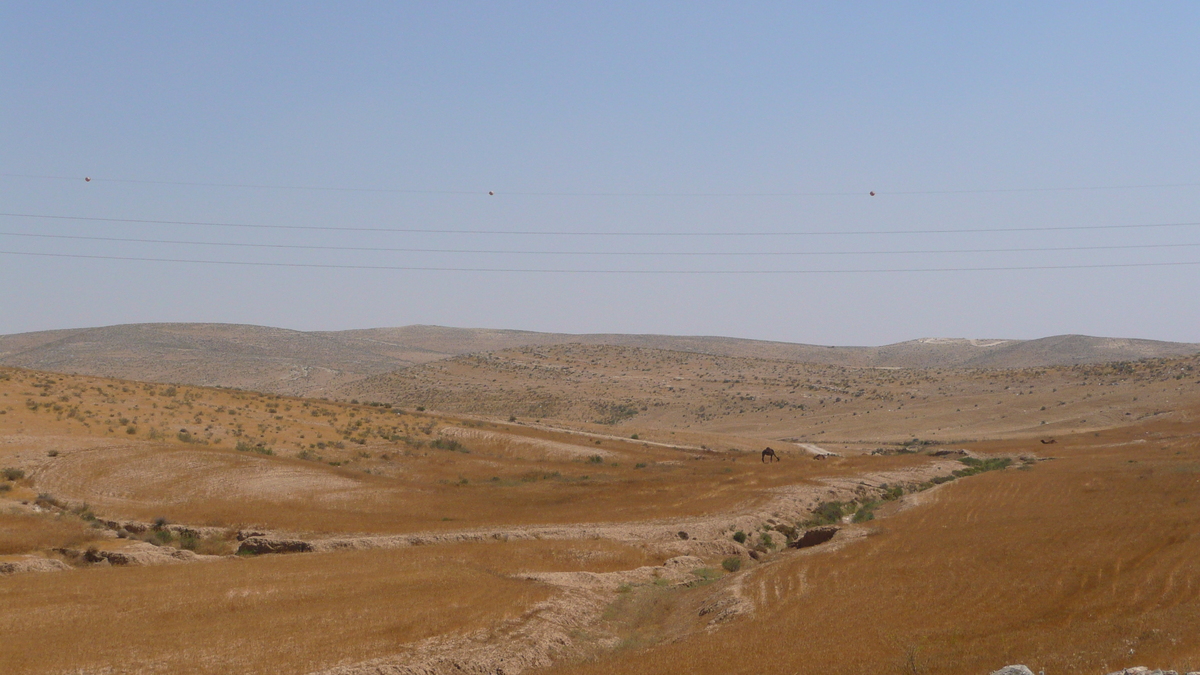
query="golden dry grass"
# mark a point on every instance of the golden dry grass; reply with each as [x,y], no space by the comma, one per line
[501,476]
[1066,565]
[28,533]
[1084,564]
[276,614]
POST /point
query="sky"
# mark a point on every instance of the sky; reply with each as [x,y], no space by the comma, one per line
[681,168]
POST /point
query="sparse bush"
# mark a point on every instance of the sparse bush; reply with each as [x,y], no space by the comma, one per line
[639,465]
[244,446]
[827,513]
[46,500]
[13,474]
[766,540]
[865,512]
[448,444]
[5,487]
[977,466]
[739,537]
[732,564]
[160,522]
[596,459]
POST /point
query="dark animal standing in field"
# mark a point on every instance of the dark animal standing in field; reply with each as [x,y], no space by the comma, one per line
[1048,442]
[770,453]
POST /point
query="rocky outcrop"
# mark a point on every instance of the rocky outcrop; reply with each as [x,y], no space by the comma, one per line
[260,545]
[140,553]
[1143,670]
[31,564]
[1134,670]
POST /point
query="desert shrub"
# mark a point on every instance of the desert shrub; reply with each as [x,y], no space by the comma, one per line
[13,474]
[5,487]
[639,465]
[161,537]
[46,500]
[189,542]
[244,446]
[977,466]
[739,537]
[732,564]
[84,512]
[216,545]
[866,512]
[160,522]
[596,459]
[766,540]
[308,455]
[448,444]
[827,513]
[893,492]
[611,413]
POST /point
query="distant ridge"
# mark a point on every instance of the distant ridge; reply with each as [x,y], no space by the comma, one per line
[293,362]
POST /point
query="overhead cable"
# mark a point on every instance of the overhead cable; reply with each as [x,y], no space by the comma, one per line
[407,268]
[388,249]
[614,193]
[556,233]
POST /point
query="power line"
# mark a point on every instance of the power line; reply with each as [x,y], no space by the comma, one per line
[405,268]
[386,249]
[520,193]
[547,233]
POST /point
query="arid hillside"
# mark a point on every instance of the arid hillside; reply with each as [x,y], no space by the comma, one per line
[340,538]
[650,391]
[297,363]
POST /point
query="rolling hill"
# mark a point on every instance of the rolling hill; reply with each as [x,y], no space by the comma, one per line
[291,362]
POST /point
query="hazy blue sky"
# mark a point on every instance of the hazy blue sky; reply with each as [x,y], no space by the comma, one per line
[735,119]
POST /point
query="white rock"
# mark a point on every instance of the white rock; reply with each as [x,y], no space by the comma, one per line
[1013,670]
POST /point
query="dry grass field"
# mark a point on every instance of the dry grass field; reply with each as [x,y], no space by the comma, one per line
[1085,564]
[233,459]
[455,539]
